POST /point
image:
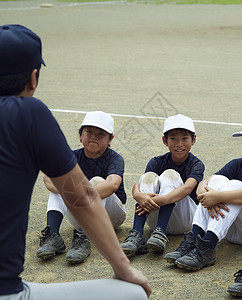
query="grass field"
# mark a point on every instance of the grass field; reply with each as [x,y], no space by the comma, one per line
[222,2]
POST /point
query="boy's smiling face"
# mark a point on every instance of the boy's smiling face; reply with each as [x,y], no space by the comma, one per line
[95,141]
[179,143]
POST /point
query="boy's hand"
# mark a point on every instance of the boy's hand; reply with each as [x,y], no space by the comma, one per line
[215,210]
[146,203]
[209,198]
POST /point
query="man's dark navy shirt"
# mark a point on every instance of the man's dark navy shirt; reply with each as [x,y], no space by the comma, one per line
[30,141]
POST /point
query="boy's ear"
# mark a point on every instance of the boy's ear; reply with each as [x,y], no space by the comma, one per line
[110,140]
[164,141]
[194,139]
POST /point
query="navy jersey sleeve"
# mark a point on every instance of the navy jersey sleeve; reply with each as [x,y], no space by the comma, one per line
[232,170]
[197,171]
[116,164]
[152,166]
[52,153]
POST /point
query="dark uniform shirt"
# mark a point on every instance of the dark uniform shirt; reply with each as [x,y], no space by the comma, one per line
[110,162]
[232,170]
[30,140]
[192,167]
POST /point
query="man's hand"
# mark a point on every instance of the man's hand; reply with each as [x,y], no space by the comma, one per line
[135,276]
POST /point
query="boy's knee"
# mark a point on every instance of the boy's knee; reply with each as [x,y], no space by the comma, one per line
[218,181]
[149,178]
[95,180]
[171,175]
[233,185]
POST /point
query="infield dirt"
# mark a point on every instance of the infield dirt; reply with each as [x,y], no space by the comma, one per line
[149,61]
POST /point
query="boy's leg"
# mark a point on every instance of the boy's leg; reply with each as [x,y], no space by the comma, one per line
[175,218]
[135,242]
[200,223]
[181,214]
[103,289]
[230,226]
[51,242]
[113,205]
[56,210]
[204,252]
[81,246]
[149,183]
[234,234]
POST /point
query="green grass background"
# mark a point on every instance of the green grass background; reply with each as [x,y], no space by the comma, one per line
[167,1]
[223,2]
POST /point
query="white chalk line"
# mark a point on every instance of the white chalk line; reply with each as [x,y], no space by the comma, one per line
[144,117]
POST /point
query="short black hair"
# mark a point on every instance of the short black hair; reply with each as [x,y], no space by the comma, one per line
[182,130]
[82,127]
[15,84]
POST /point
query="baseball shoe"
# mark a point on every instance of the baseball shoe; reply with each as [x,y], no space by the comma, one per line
[50,244]
[134,243]
[157,240]
[80,248]
[184,248]
[236,288]
[200,256]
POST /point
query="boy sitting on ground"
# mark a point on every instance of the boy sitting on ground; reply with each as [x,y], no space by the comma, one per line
[166,192]
[104,168]
[218,216]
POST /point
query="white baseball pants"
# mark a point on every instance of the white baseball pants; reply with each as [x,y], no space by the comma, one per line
[184,210]
[101,289]
[229,227]
[112,204]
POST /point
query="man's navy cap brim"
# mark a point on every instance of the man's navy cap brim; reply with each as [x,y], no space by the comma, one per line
[237,134]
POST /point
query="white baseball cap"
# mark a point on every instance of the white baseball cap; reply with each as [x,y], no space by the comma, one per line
[99,119]
[237,134]
[178,121]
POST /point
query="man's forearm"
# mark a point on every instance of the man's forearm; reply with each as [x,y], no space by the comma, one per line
[85,205]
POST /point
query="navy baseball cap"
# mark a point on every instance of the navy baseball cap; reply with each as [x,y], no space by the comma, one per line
[20,50]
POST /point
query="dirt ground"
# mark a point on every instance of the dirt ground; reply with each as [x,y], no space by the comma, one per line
[148,61]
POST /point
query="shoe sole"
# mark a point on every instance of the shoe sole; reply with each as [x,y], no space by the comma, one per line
[141,250]
[155,247]
[235,294]
[170,260]
[46,255]
[76,260]
[194,269]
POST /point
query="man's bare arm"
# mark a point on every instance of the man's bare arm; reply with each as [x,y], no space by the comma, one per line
[84,203]
[49,185]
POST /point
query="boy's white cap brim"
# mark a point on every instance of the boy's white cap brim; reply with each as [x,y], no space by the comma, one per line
[237,134]
[99,119]
[178,121]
